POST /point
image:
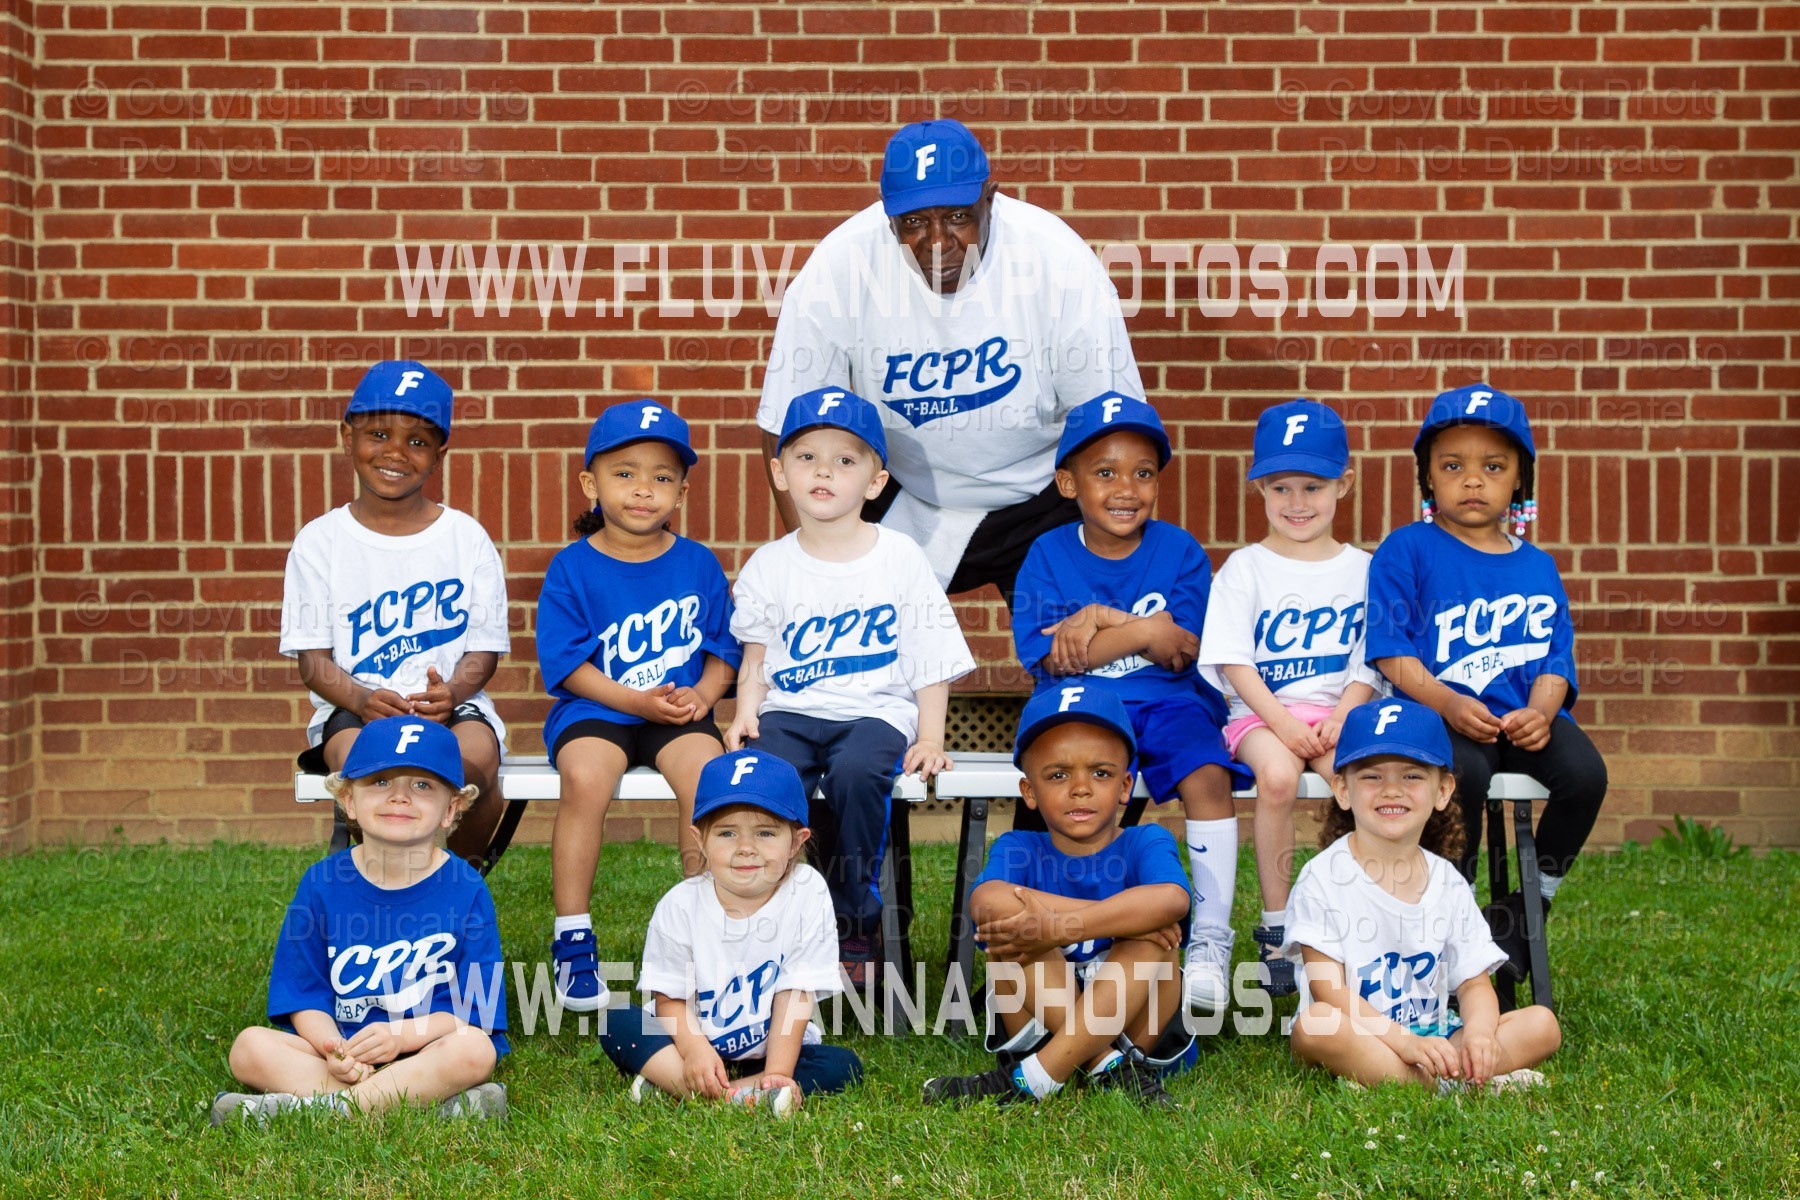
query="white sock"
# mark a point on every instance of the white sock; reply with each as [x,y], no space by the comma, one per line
[1107,1063]
[1547,885]
[1037,1080]
[570,924]
[1275,919]
[1212,860]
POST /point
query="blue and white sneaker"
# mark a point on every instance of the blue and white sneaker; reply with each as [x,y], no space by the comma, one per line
[579,987]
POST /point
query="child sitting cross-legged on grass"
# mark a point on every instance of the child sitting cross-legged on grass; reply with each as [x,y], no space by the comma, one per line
[1083,924]
[734,957]
[387,983]
[1386,930]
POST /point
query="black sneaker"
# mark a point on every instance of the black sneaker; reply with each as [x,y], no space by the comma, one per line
[856,959]
[1135,1077]
[997,1085]
[1277,973]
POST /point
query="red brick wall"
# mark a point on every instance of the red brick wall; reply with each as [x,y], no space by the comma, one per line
[221,190]
[18,172]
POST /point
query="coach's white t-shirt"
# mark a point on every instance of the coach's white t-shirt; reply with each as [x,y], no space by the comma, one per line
[1406,960]
[389,607]
[846,640]
[1300,624]
[729,969]
[973,387]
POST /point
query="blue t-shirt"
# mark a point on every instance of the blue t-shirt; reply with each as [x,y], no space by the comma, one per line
[643,624]
[1485,624]
[365,954]
[1140,855]
[1168,571]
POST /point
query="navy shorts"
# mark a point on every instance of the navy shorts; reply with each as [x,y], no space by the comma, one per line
[1176,736]
[312,759]
[641,742]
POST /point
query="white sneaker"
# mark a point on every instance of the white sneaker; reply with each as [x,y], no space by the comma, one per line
[779,1102]
[1512,1081]
[483,1102]
[253,1108]
[1205,984]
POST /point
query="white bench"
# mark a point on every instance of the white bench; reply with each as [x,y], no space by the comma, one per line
[975,782]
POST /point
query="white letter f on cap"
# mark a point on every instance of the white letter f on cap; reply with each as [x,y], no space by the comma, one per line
[1070,697]
[1477,400]
[408,381]
[741,768]
[1385,716]
[1109,408]
[829,401]
[926,154]
[652,415]
[408,735]
[1296,426]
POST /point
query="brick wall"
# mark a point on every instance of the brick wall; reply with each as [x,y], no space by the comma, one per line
[221,190]
[18,172]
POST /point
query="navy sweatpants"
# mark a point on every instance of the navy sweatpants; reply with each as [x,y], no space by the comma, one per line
[632,1037]
[854,764]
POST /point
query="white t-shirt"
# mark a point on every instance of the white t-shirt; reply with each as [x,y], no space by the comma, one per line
[973,387]
[845,640]
[389,607]
[1406,960]
[729,968]
[1300,624]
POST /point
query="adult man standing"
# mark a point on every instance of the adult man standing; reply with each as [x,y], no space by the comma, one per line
[975,322]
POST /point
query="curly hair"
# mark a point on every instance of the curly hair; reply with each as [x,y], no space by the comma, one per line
[1445,833]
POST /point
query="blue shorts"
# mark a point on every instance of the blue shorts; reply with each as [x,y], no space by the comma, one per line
[1176,736]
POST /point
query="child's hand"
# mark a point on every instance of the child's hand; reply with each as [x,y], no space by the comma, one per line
[1471,718]
[1069,641]
[1328,731]
[1481,1055]
[743,728]
[343,1066]
[703,1072]
[1435,1055]
[384,702]
[1301,739]
[1170,647]
[378,1042]
[659,706]
[691,700]
[925,759]
[435,703]
[1526,728]
[1024,935]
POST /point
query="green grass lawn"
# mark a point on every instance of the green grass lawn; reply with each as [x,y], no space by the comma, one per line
[125,973]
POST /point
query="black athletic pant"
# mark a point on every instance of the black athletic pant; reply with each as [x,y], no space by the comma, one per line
[1569,767]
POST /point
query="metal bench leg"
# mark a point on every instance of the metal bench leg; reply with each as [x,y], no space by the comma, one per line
[970,850]
[503,834]
[893,939]
[340,830]
[1499,885]
[1534,905]
[1134,811]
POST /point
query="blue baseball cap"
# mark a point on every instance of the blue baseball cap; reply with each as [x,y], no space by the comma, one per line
[1301,435]
[1401,728]
[402,385]
[1079,698]
[754,777]
[406,743]
[1478,404]
[835,407]
[639,421]
[931,163]
[1111,412]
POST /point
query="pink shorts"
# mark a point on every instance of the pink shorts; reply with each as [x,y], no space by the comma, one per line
[1234,731]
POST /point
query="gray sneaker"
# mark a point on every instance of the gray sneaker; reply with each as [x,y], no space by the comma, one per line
[483,1102]
[251,1107]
